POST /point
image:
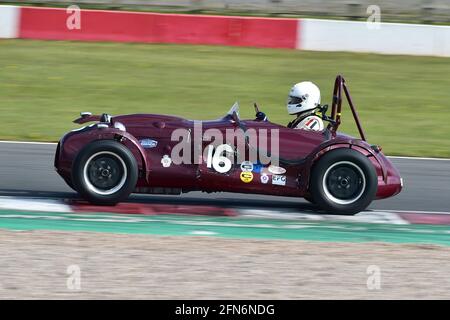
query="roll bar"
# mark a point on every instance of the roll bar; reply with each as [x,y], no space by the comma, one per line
[336,106]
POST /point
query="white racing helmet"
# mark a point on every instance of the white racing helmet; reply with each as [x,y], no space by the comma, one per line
[303,96]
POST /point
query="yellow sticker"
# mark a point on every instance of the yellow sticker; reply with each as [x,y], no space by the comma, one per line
[246,176]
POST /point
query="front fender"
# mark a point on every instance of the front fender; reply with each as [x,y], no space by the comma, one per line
[389,180]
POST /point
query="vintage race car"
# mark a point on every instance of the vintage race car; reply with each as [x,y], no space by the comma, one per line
[113,157]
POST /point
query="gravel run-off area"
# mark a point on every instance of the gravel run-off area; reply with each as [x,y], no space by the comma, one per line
[45,264]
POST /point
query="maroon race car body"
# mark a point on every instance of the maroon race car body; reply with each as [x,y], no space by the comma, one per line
[147,139]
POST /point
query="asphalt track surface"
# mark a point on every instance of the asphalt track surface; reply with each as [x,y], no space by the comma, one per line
[26,170]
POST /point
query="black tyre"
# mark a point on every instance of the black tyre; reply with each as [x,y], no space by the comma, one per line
[104,172]
[343,181]
[309,199]
[69,183]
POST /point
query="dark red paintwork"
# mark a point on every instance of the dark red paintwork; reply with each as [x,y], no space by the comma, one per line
[299,150]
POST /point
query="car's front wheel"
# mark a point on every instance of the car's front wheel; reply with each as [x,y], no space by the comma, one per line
[105,172]
[343,181]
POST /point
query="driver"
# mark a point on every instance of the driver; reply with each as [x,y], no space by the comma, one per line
[303,100]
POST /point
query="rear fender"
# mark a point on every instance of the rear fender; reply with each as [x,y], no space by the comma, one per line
[135,147]
[74,141]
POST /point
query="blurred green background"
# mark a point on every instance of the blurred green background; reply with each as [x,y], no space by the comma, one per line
[402,100]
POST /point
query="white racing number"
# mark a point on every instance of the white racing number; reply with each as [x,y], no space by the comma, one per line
[217,158]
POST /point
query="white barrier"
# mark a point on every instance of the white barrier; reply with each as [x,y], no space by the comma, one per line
[389,38]
[9,21]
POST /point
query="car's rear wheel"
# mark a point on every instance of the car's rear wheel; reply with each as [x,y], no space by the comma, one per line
[343,182]
[105,172]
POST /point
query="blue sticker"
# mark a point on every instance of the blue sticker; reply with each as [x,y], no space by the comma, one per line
[148,143]
[257,168]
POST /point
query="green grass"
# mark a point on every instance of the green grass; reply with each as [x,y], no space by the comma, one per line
[403,101]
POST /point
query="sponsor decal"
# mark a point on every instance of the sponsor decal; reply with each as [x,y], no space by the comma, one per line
[148,143]
[257,168]
[246,176]
[276,170]
[279,180]
[264,178]
[247,166]
[166,161]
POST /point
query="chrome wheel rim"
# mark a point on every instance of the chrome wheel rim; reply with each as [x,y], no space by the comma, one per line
[105,173]
[344,182]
